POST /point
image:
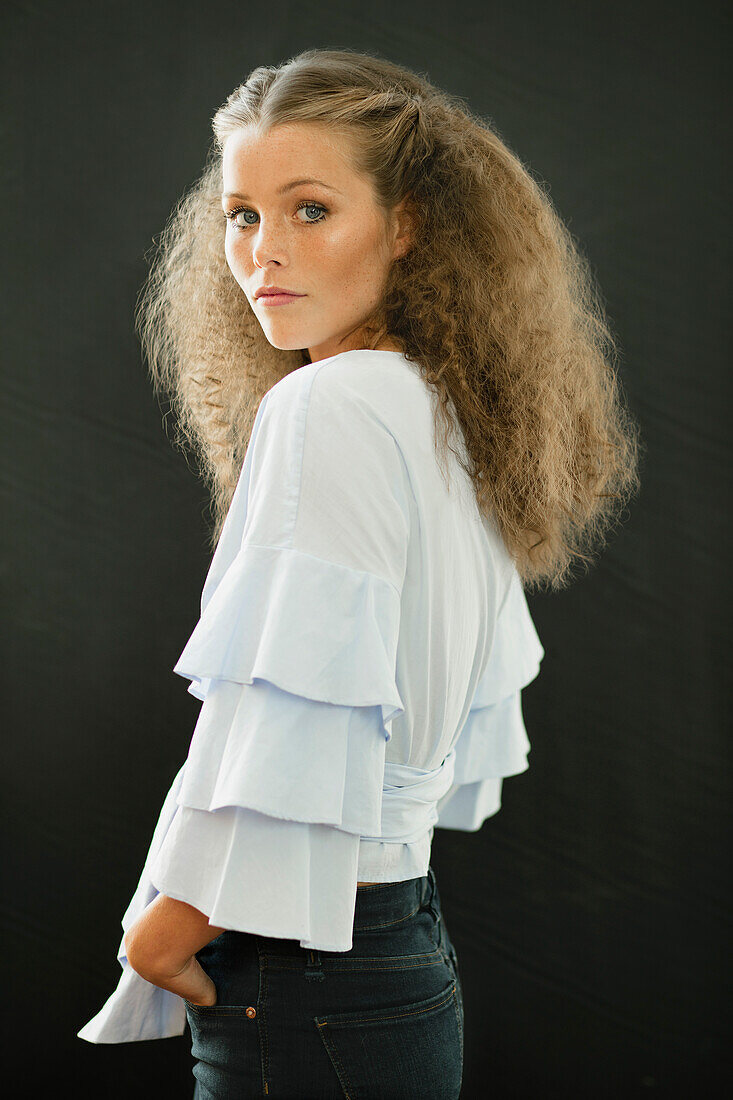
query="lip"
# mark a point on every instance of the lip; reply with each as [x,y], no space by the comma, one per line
[278,299]
[276,295]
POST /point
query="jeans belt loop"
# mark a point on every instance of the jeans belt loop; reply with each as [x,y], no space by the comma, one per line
[429,905]
[431,886]
[314,967]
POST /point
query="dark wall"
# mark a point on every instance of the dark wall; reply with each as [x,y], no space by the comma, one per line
[590,915]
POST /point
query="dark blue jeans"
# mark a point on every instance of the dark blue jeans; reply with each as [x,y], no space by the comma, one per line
[379,1022]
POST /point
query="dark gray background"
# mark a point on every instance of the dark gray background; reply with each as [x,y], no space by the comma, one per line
[591,916]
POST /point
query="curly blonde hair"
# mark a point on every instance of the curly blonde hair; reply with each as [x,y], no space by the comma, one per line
[494,302]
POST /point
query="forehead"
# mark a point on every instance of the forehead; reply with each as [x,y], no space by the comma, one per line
[253,159]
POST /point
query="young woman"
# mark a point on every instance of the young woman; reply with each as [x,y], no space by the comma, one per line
[362,263]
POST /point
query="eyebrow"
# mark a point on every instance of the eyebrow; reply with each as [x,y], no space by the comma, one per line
[282,190]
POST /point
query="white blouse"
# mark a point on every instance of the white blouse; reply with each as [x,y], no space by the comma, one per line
[362,645]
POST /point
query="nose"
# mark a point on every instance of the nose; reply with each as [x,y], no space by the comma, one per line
[269,244]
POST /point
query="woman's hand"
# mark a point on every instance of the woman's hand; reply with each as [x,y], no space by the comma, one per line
[161,946]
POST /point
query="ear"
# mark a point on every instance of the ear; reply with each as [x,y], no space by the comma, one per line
[404,227]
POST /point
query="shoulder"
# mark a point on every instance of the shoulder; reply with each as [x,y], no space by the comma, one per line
[384,379]
[290,393]
[360,372]
[360,388]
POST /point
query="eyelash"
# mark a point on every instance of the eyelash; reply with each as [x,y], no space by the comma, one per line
[230,215]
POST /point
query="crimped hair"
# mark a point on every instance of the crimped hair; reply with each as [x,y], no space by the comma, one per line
[494,302]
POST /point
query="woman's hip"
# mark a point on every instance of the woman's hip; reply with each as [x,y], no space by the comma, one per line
[383,1019]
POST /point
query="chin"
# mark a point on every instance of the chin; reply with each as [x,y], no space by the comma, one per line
[284,344]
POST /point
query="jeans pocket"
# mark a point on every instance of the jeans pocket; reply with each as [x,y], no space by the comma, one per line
[225,1047]
[218,1009]
[404,1051]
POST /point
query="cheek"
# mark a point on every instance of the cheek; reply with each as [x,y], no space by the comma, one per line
[348,262]
[234,251]
[229,252]
[238,260]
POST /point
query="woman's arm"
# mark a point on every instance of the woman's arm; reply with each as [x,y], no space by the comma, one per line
[162,943]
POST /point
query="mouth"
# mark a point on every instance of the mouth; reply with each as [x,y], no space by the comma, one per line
[278,299]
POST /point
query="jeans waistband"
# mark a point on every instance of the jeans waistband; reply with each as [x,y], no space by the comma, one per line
[386,903]
[377,906]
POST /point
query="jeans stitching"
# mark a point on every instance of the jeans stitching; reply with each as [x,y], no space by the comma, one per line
[400,1015]
[262,1026]
[338,1064]
[386,924]
[437,958]
[460,1027]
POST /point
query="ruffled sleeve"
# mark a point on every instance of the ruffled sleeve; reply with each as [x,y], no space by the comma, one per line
[294,659]
[493,743]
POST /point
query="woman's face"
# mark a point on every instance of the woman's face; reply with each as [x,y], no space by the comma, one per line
[326,241]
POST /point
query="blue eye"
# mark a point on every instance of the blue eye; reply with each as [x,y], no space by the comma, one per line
[313,206]
[306,204]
